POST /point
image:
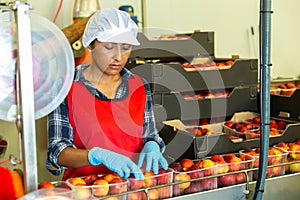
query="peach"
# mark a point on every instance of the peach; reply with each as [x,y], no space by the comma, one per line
[293,168]
[150,179]
[81,192]
[117,186]
[183,177]
[176,166]
[294,151]
[195,172]
[227,180]
[207,165]
[164,192]
[281,125]
[282,145]
[222,167]
[77,181]
[135,183]
[100,188]
[164,176]
[90,179]
[186,163]
[235,164]
[135,196]
[110,177]
[229,123]
[217,158]
[240,178]
[152,194]
[46,184]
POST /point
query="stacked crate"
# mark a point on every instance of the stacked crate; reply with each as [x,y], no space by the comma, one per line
[170,81]
[160,63]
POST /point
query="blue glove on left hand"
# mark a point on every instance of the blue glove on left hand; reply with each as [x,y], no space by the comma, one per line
[153,156]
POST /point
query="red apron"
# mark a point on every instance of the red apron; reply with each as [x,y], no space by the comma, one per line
[115,125]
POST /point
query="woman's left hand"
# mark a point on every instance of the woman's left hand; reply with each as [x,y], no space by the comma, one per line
[151,153]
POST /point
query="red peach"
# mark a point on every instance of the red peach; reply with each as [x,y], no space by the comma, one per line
[186,163]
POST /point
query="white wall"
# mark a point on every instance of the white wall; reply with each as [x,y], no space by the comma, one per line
[231,20]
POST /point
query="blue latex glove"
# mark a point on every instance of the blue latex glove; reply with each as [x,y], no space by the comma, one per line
[115,162]
[151,152]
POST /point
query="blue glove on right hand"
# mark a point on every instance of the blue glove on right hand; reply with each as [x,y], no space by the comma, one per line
[115,162]
[152,156]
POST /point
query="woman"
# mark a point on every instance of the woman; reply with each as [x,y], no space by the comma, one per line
[106,122]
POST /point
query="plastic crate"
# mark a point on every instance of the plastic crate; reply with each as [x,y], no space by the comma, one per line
[277,157]
[86,187]
[293,150]
[196,185]
[49,193]
[227,163]
[163,177]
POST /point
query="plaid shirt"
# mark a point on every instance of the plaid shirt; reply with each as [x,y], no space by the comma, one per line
[60,131]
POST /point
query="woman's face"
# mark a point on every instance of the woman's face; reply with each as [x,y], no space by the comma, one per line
[110,58]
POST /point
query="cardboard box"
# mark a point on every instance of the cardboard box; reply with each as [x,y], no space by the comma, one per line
[183,144]
[247,127]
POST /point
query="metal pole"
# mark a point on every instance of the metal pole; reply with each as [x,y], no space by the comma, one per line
[25,112]
[265,33]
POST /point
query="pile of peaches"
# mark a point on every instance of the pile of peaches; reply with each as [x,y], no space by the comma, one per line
[96,186]
[101,186]
[293,149]
[232,163]
[188,169]
[197,130]
[284,89]
[163,177]
[250,128]
[206,94]
[275,156]
[209,65]
[230,169]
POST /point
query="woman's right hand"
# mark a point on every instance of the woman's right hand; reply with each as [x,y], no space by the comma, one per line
[115,162]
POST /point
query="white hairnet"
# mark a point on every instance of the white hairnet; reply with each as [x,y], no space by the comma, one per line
[110,25]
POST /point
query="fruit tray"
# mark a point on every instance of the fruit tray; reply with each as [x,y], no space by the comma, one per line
[54,184]
[188,169]
[163,177]
[293,150]
[286,106]
[98,186]
[232,162]
[246,125]
[199,43]
[275,156]
[49,193]
[177,107]
[161,76]
[181,143]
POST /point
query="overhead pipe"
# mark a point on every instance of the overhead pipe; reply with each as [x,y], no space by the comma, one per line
[264,42]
